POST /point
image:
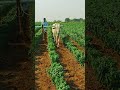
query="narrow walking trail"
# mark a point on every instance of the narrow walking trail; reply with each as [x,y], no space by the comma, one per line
[42,63]
[74,73]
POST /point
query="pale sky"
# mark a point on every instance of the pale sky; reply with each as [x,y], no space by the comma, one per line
[59,9]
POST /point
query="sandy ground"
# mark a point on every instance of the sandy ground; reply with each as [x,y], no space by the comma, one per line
[42,63]
[74,72]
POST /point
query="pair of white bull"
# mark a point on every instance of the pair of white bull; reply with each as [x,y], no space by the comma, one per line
[56,32]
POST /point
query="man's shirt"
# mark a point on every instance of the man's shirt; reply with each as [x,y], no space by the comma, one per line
[45,24]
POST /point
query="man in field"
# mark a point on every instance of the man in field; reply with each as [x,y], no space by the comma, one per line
[56,33]
[44,28]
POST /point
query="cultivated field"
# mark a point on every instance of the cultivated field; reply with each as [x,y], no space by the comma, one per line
[61,68]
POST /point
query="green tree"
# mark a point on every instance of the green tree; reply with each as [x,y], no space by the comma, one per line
[67,20]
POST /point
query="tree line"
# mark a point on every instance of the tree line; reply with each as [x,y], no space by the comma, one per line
[75,19]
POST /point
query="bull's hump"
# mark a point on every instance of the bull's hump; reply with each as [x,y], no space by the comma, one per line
[56,25]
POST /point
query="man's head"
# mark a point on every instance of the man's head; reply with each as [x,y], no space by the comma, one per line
[44,19]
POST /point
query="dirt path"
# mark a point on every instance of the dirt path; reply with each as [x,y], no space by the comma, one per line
[77,45]
[91,79]
[74,72]
[19,77]
[100,45]
[43,81]
[16,68]
[91,82]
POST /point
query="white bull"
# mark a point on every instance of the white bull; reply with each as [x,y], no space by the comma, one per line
[56,31]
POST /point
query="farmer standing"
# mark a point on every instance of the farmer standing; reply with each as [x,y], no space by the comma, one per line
[44,28]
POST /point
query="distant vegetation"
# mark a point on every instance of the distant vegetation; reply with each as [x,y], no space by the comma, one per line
[75,19]
[66,20]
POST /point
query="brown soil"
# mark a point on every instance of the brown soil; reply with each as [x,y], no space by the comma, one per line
[78,46]
[16,68]
[42,63]
[91,79]
[91,82]
[74,72]
[105,50]
[21,77]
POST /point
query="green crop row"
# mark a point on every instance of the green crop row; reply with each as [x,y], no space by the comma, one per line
[79,55]
[37,29]
[76,30]
[56,70]
[111,39]
[104,24]
[105,68]
[56,73]
[51,48]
